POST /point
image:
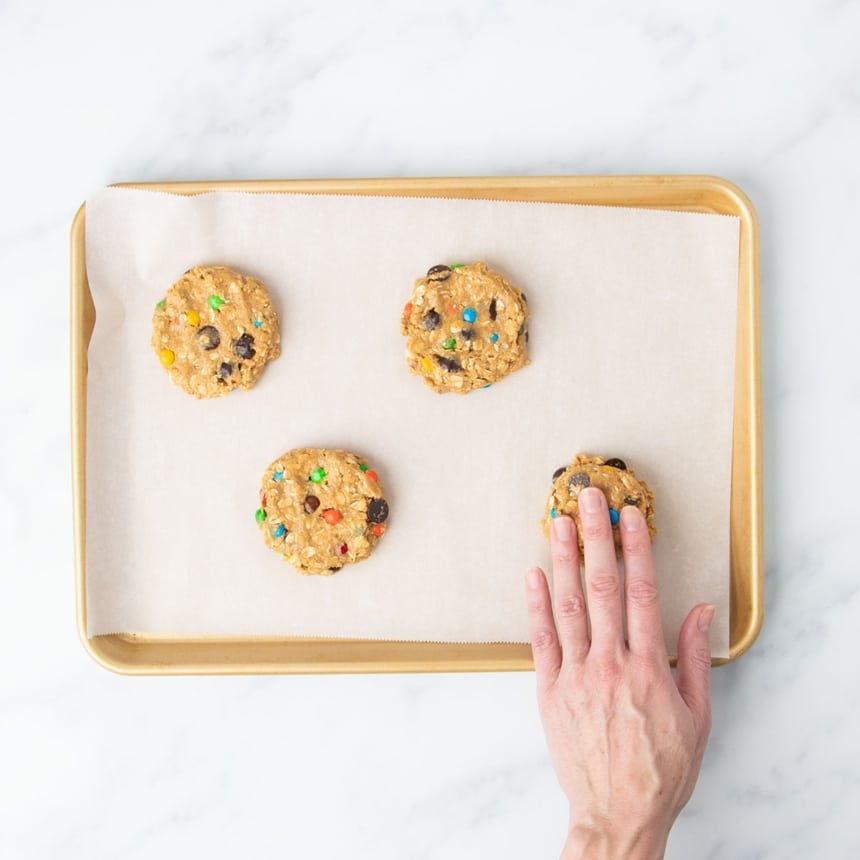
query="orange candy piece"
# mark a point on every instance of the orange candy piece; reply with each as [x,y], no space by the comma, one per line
[378,529]
[372,475]
[407,311]
[332,516]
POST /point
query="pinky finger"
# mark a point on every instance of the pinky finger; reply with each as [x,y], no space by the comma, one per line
[544,638]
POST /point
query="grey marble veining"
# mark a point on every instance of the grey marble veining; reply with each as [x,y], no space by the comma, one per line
[765,94]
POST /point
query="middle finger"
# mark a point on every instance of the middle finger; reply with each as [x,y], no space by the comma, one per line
[602,580]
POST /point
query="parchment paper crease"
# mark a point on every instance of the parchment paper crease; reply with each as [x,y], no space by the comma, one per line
[632,347]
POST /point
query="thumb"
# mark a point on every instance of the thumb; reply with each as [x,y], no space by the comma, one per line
[694,665]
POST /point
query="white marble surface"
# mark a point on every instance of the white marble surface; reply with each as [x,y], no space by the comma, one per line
[767,94]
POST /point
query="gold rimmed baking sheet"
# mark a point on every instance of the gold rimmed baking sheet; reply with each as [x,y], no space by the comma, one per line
[134,654]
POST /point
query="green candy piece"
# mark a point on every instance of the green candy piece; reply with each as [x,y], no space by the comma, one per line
[449,344]
[215,302]
[457,265]
[260,515]
[161,305]
[363,466]
[318,475]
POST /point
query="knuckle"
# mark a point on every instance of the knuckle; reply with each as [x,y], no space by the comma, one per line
[595,530]
[543,640]
[642,593]
[570,608]
[636,547]
[604,584]
[537,605]
[701,659]
[608,671]
[563,558]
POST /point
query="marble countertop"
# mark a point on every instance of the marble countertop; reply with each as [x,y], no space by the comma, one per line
[450,766]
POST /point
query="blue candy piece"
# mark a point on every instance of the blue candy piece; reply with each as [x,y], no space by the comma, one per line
[494,337]
[278,476]
[488,385]
[553,513]
[470,315]
[279,531]
[613,516]
[257,323]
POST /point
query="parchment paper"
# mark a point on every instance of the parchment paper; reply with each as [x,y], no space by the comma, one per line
[632,348]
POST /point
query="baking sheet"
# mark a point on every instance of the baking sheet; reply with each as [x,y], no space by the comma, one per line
[632,347]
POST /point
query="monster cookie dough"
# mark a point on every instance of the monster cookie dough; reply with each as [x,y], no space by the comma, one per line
[466,328]
[321,509]
[618,482]
[215,330]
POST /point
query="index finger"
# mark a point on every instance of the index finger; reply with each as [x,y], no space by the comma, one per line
[644,621]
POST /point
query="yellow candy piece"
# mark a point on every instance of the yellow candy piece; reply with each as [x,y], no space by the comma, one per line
[166,357]
[427,365]
[193,318]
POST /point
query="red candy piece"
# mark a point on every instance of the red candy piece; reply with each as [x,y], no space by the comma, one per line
[264,500]
[372,475]
[332,516]
[343,549]
[407,311]
[378,529]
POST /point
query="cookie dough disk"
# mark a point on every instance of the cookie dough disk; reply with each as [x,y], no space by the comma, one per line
[321,509]
[620,486]
[215,330]
[466,328]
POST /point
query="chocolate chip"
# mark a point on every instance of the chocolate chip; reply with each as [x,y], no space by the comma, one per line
[522,295]
[522,328]
[632,500]
[493,309]
[311,504]
[468,334]
[377,511]
[557,473]
[336,568]
[208,337]
[580,479]
[225,369]
[616,464]
[431,320]
[439,273]
[449,364]
[244,346]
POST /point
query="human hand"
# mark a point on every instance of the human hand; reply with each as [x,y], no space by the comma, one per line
[626,738]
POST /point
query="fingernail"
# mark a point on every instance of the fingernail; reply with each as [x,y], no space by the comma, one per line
[562,528]
[631,518]
[591,500]
[533,578]
[706,616]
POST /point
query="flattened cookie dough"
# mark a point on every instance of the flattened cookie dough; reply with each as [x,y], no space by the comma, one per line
[618,482]
[466,328]
[321,509]
[215,330]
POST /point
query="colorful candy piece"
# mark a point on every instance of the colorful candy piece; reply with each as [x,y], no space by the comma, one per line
[494,337]
[469,315]
[427,365]
[215,302]
[278,475]
[260,516]
[378,529]
[613,516]
[318,475]
[449,344]
[553,513]
[257,323]
[457,265]
[161,305]
[407,309]
[332,516]
[363,466]
[279,531]
[343,549]
[166,357]
[192,318]
[372,475]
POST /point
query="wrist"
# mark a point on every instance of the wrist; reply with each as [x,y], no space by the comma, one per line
[589,842]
